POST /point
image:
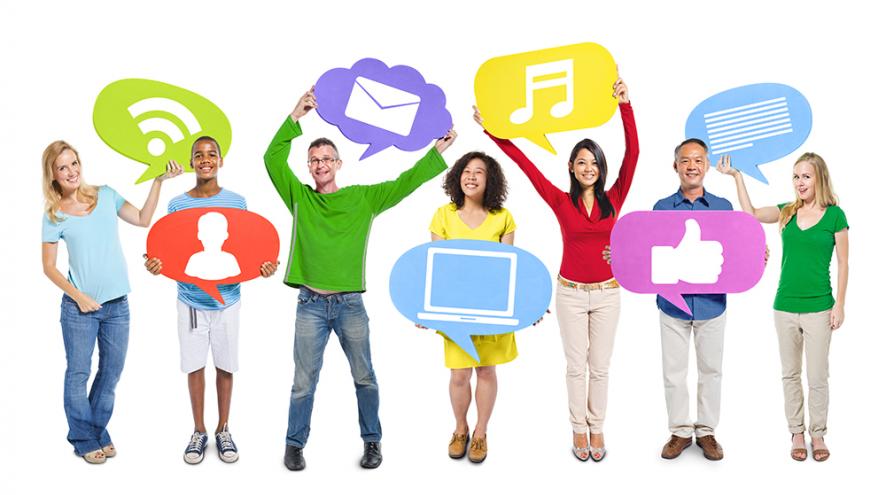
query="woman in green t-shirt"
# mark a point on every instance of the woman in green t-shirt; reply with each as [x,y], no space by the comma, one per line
[806,311]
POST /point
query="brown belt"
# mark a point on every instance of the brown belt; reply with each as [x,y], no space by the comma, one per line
[608,284]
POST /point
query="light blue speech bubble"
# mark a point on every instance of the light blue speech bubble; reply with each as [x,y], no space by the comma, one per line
[462,288]
[753,124]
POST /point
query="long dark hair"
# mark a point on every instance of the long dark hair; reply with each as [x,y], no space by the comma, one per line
[606,209]
[496,185]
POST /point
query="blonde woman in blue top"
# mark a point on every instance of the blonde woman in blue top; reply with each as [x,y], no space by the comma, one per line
[94,307]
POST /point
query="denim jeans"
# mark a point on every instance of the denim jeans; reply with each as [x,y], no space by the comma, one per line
[317,316]
[88,415]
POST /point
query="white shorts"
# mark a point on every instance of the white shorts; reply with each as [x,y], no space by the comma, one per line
[199,329]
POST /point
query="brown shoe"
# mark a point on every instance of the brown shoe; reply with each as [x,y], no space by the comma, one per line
[477,452]
[712,450]
[675,446]
[458,445]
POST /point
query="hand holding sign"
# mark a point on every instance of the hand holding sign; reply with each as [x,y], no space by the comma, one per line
[693,260]
[196,246]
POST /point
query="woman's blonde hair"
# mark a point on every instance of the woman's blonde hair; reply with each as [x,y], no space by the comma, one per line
[824,190]
[52,191]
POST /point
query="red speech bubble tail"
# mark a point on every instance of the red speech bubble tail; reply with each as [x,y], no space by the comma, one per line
[677,300]
[211,289]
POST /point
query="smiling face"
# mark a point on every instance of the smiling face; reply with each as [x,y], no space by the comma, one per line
[804,181]
[324,163]
[691,165]
[473,180]
[66,172]
[585,168]
[205,159]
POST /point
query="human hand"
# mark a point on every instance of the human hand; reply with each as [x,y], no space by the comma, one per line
[477,117]
[305,104]
[607,254]
[267,268]
[446,141]
[620,91]
[837,316]
[86,303]
[173,169]
[766,256]
[724,166]
[153,265]
[421,326]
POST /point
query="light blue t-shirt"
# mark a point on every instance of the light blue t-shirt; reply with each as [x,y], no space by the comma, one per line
[95,258]
[190,294]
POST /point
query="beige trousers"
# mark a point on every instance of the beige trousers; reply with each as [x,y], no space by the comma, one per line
[814,331]
[587,326]
[675,336]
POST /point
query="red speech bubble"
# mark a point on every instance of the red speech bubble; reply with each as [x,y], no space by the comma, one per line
[208,247]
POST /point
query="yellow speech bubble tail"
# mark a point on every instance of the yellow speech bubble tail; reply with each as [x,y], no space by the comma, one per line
[542,141]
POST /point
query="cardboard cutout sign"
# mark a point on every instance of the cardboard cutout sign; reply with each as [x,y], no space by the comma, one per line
[213,246]
[374,104]
[552,90]
[463,288]
[153,122]
[754,124]
[671,253]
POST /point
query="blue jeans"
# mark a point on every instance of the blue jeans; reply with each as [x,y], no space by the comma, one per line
[317,316]
[88,416]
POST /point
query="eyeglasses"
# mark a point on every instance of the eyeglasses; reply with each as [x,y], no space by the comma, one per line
[326,160]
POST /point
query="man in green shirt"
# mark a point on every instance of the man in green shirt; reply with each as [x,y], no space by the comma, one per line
[327,262]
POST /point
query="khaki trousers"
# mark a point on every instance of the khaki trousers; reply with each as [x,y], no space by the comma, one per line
[587,326]
[814,331]
[709,336]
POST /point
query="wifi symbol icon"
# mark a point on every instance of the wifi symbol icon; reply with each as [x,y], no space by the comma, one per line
[164,119]
[153,122]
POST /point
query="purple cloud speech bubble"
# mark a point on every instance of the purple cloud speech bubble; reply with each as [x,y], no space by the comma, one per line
[685,241]
[381,106]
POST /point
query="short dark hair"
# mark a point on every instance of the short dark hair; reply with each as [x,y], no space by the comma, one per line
[690,141]
[323,142]
[496,184]
[206,138]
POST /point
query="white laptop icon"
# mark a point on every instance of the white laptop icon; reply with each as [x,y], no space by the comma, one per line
[467,285]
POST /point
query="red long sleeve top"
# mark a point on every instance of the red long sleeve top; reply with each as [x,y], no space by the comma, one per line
[584,235]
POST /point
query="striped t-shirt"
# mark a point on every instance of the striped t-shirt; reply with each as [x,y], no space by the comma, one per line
[190,294]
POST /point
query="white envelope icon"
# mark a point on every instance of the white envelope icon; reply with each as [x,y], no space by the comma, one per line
[382,106]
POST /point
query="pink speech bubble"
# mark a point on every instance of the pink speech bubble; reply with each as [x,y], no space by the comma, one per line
[635,234]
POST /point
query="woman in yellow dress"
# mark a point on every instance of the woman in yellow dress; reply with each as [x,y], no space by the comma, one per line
[477,187]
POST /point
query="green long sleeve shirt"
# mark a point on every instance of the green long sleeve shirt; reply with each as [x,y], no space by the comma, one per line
[330,232]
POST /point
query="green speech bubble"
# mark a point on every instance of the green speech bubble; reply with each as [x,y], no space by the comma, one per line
[153,122]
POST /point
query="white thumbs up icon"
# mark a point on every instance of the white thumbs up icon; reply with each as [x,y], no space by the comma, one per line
[694,261]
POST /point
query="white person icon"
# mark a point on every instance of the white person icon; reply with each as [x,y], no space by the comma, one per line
[212,263]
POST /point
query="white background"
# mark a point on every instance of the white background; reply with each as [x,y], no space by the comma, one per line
[254,60]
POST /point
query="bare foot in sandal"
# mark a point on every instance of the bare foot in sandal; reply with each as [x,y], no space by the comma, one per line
[820,451]
[798,447]
[580,446]
[95,457]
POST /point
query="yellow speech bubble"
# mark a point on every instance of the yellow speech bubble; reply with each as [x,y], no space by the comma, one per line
[552,90]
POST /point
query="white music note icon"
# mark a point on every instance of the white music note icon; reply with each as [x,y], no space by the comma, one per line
[547,75]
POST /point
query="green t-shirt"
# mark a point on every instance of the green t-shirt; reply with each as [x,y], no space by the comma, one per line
[805,283]
[330,232]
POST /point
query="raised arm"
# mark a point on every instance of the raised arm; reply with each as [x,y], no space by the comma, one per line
[766,214]
[619,191]
[548,191]
[841,242]
[387,194]
[50,255]
[142,217]
[277,155]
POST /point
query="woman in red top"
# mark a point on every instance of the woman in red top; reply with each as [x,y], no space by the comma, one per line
[587,294]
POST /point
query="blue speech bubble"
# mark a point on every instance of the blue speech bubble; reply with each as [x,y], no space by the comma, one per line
[753,124]
[463,287]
